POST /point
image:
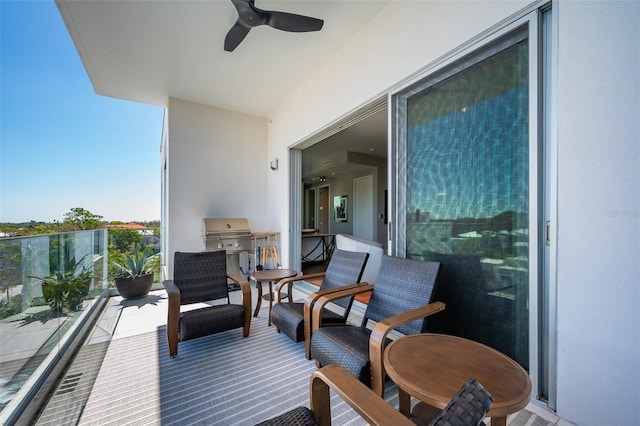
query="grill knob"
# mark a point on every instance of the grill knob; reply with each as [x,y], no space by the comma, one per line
[219,245]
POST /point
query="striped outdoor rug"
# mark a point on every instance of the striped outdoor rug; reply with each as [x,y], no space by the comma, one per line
[222,379]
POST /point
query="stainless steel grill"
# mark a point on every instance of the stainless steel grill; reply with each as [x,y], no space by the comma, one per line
[232,235]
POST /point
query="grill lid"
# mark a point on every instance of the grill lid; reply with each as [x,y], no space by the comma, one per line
[226,226]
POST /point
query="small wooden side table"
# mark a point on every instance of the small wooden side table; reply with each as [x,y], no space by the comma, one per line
[270,275]
[433,367]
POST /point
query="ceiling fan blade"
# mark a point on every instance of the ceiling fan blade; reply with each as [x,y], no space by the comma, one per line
[234,37]
[250,16]
[293,23]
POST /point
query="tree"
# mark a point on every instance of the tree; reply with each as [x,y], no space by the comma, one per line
[123,239]
[81,219]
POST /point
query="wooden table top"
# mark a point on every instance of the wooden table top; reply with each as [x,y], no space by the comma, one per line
[433,367]
[273,274]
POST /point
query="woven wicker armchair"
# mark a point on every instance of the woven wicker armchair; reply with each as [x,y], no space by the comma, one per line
[399,300]
[373,409]
[345,268]
[467,408]
[202,277]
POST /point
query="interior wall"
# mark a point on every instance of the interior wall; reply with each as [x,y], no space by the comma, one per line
[598,230]
[218,166]
[343,185]
[337,186]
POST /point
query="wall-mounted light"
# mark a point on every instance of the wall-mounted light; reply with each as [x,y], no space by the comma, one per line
[274,164]
[322,178]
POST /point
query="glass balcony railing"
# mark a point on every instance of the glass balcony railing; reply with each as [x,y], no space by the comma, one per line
[48,286]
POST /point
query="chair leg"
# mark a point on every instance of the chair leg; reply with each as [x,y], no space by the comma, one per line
[172,339]
[246,302]
[173,334]
[173,317]
[320,400]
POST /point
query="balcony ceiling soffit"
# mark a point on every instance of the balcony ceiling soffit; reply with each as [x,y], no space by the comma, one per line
[148,51]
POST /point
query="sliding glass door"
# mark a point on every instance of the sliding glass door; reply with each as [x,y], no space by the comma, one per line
[462,158]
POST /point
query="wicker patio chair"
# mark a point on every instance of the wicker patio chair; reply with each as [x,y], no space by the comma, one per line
[399,300]
[345,268]
[467,408]
[368,405]
[202,277]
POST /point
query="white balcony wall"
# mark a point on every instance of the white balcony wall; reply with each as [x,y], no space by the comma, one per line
[599,212]
[216,167]
[598,229]
[402,39]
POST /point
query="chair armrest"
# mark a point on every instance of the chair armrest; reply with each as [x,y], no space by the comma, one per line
[313,297]
[379,336]
[236,278]
[173,315]
[291,280]
[173,293]
[373,409]
[245,287]
[309,303]
[316,313]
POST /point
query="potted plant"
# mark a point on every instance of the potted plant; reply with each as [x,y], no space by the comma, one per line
[64,290]
[135,273]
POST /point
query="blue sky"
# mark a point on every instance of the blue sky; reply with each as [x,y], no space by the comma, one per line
[61,144]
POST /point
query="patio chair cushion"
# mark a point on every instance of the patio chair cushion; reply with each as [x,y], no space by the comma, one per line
[299,416]
[347,347]
[288,318]
[210,320]
[200,276]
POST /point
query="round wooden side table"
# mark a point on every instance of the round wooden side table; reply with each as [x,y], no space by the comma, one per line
[270,275]
[433,367]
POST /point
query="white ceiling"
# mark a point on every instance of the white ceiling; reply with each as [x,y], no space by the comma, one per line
[148,51]
[368,137]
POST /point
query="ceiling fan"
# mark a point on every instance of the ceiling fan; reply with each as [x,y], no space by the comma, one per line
[250,16]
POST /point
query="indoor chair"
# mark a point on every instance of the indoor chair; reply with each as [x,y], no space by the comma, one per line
[202,277]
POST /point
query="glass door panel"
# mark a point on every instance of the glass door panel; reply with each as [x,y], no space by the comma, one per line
[466,193]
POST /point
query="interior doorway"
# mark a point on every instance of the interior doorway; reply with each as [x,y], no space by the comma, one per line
[363,208]
[323,209]
[310,211]
[337,163]
[325,166]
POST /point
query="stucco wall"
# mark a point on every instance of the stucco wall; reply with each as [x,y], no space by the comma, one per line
[598,229]
[599,212]
[404,38]
[216,167]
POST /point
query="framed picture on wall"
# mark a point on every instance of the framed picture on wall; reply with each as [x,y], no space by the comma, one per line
[340,207]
